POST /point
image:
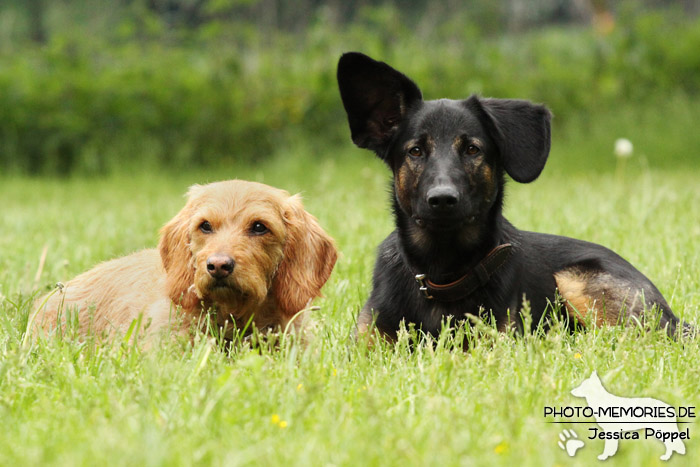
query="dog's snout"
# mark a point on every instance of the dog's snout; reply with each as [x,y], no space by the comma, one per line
[442,197]
[220,266]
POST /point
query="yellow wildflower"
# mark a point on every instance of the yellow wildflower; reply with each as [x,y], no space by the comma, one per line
[501,447]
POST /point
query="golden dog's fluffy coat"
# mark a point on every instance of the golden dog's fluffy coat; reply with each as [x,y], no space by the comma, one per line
[278,259]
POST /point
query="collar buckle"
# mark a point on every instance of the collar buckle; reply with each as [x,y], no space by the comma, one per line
[423,287]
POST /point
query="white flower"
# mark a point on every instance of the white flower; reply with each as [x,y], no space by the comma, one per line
[623,147]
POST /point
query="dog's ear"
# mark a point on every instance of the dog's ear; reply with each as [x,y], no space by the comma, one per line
[375,97]
[522,132]
[177,258]
[309,257]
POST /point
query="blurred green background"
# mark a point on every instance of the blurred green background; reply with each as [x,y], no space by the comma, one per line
[102,86]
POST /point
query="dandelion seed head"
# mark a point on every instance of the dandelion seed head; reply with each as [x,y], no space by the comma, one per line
[623,147]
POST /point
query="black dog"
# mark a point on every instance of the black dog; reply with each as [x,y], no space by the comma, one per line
[453,253]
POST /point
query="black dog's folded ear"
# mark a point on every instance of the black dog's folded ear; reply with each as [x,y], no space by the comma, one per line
[522,132]
[375,97]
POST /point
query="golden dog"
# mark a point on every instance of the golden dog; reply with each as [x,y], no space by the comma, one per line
[244,250]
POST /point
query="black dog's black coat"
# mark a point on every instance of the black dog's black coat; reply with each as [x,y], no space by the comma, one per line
[449,158]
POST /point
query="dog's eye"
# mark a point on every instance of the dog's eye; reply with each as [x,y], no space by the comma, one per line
[258,228]
[415,151]
[206,227]
[472,149]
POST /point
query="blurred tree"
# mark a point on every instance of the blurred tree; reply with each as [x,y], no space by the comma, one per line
[37,30]
[189,13]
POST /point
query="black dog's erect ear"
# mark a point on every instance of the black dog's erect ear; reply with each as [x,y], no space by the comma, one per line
[522,132]
[375,97]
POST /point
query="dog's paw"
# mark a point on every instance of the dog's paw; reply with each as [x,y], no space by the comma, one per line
[569,442]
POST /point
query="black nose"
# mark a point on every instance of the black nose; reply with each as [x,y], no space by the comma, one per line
[442,197]
[220,266]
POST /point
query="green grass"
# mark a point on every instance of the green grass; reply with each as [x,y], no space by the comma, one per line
[335,403]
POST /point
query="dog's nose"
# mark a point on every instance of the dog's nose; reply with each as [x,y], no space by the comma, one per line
[220,266]
[442,197]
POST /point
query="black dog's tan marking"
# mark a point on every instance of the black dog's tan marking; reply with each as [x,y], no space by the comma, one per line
[449,159]
[610,299]
[581,297]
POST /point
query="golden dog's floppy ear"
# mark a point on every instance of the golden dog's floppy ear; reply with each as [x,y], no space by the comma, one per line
[309,257]
[177,258]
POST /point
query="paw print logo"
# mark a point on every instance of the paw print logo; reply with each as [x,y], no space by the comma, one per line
[569,442]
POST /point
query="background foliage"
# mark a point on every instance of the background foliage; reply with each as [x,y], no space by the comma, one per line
[92,87]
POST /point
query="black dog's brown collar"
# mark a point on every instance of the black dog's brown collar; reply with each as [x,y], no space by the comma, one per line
[468,283]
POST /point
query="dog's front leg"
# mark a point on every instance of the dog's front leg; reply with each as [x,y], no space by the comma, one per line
[367,330]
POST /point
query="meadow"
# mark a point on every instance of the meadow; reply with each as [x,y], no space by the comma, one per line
[335,402]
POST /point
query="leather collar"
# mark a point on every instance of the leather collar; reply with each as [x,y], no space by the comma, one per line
[467,284]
